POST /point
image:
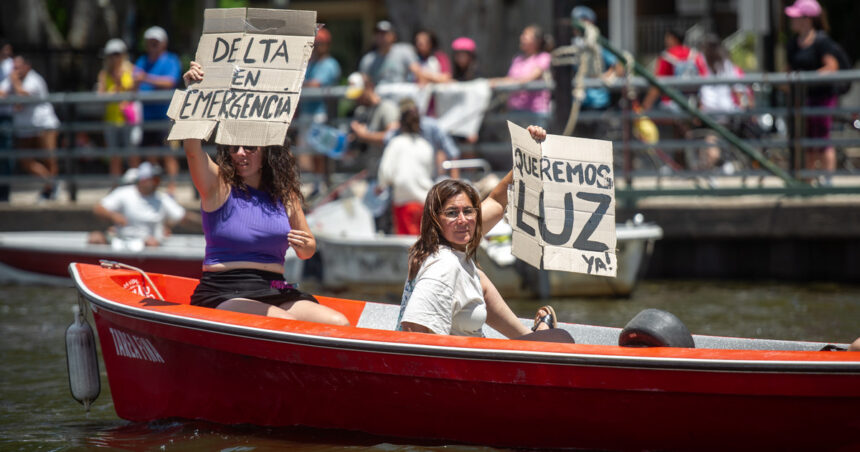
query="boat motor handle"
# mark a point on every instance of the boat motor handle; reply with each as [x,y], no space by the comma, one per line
[114,265]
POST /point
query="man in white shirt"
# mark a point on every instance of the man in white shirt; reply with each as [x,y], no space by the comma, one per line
[35,123]
[138,212]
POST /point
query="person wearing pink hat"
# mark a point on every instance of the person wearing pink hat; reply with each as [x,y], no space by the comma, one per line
[465,66]
[813,50]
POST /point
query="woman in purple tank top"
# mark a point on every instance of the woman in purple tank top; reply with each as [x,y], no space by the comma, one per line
[252,212]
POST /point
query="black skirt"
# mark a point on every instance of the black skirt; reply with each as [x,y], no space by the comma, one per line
[259,285]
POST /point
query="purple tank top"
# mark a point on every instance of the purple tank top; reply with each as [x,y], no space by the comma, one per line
[248,227]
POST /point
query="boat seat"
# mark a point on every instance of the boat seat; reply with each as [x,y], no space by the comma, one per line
[379,316]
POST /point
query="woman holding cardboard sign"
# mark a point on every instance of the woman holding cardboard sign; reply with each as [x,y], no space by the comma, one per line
[252,212]
[445,292]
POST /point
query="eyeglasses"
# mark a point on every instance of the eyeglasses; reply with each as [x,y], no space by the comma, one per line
[248,149]
[453,214]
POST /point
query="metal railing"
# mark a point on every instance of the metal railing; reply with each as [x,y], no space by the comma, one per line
[778,97]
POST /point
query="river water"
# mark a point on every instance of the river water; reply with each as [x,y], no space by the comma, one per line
[38,413]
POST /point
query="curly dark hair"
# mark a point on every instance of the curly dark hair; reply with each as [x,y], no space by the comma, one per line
[431,231]
[279,178]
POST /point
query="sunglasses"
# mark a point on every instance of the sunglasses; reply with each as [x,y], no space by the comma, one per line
[248,149]
[453,214]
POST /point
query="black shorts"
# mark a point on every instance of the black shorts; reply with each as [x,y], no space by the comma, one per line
[265,287]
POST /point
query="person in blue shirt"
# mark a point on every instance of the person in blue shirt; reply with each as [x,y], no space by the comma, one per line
[323,70]
[158,69]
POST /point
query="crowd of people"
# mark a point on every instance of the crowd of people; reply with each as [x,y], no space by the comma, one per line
[421,61]
[251,202]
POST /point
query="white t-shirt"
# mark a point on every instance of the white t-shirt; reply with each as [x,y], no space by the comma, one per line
[145,214]
[446,295]
[407,167]
[719,97]
[38,115]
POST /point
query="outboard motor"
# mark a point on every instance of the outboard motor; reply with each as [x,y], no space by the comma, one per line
[82,360]
[655,328]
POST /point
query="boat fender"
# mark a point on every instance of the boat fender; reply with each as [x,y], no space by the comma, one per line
[655,328]
[82,360]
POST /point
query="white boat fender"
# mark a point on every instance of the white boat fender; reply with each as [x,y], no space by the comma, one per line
[655,328]
[82,360]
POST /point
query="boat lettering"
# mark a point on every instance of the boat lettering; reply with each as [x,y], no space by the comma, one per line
[136,287]
[132,346]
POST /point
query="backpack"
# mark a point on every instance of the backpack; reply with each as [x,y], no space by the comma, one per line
[824,45]
[683,68]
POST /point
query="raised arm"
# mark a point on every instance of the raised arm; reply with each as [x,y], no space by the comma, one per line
[204,172]
[493,208]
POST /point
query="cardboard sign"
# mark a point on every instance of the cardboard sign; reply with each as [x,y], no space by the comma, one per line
[562,203]
[254,63]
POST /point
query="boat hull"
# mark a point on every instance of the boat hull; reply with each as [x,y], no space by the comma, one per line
[168,360]
[50,253]
[235,380]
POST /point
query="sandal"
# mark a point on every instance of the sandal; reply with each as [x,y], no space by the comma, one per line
[549,318]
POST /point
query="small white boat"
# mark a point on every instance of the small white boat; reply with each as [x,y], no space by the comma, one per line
[353,256]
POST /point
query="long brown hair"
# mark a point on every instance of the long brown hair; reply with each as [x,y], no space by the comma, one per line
[279,178]
[431,231]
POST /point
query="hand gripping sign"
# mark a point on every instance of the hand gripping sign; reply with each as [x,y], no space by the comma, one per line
[562,203]
[254,61]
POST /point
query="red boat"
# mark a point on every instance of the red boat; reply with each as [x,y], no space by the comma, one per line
[168,359]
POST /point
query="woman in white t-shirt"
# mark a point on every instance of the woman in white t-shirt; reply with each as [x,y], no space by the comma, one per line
[407,167]
[445,292]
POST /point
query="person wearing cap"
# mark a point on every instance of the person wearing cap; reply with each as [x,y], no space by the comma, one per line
[251,207]
[811,49]
[158,69]
[374,116]
[139,212]
[389,61]
[117,76]
[602,64]
[465,67]
[35,124]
